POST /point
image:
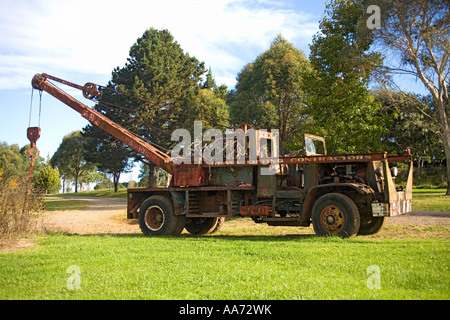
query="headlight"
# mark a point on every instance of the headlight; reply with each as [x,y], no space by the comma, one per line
[379,172]
[394,171]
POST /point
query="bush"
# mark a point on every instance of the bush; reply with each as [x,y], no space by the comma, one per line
[47,180]
[430,177]
[18,205]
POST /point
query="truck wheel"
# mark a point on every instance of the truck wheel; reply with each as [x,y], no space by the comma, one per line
[371,225]
[198,226]
[335,214]
[157,218]
[219,224]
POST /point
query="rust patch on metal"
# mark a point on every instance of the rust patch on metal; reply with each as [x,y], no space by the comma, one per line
[252,211]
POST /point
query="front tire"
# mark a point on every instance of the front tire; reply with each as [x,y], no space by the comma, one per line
[371,225]
[157,217]
[335,214]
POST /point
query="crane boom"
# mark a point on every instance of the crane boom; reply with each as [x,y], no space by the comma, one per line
[153,154]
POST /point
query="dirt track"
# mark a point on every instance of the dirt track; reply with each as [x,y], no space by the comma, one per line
[103,216]
[108,216]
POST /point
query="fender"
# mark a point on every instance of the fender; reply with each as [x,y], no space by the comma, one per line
[315,192]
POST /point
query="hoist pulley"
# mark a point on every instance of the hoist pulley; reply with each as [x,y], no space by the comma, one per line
[33,134]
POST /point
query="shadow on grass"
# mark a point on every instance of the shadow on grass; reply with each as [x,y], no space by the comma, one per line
[219,237]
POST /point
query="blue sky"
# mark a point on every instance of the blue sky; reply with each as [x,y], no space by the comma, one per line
[83,41]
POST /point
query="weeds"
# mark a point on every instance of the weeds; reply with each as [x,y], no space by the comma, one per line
[18,205]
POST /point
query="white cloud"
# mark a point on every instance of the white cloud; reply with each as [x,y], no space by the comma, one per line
[92,37]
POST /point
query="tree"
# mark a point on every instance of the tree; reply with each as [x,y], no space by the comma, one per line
[110,155]
[269,92]
[47,180]
[157,85]
[69,158]
[340,106]
[209,108]
[102,181]
[417,33]
[210,83]
[410,126]
[12,161]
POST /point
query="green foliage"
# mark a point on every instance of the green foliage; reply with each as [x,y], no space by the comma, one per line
[70,160]
[415,34]
[12,161]
[209,108]
[159,81]
[18,205]
[412,124]
[15,164]
[157,85]
[339,104]
[47,180]
[269,92]
[110,155]
[341,48]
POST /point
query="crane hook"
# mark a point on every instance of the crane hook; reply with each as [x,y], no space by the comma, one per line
[33,134]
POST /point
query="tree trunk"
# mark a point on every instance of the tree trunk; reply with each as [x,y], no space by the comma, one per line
[116,177]
[152,176]
[447,158]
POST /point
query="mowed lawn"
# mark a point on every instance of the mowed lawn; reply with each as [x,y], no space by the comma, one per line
[298,266]
[431,200]
[242,261]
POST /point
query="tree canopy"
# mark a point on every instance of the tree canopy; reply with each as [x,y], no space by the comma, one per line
[160,80]
[416,35]
[269,91]
[340,106]
[162,88]
[47,180]
[70,160]
[110,155]
[153,91]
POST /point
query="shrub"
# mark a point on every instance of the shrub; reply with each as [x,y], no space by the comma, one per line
[18,205]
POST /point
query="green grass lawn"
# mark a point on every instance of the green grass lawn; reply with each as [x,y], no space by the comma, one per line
[52,203]
[55,202]
[430,200]
[242,261]
[122,193]
[226,267]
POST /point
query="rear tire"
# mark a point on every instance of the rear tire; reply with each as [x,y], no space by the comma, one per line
[199,226]
[157,217]
[335,214]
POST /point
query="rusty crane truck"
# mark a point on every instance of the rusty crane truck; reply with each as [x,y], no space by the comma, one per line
[343,195]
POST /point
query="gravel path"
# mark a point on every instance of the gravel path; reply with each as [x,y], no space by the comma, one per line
[421,218]
[103,216]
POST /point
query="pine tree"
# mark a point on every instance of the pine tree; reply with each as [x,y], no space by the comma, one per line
[158,84]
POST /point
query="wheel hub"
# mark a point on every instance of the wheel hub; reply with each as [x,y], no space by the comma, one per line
[154,218]
[332,219]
